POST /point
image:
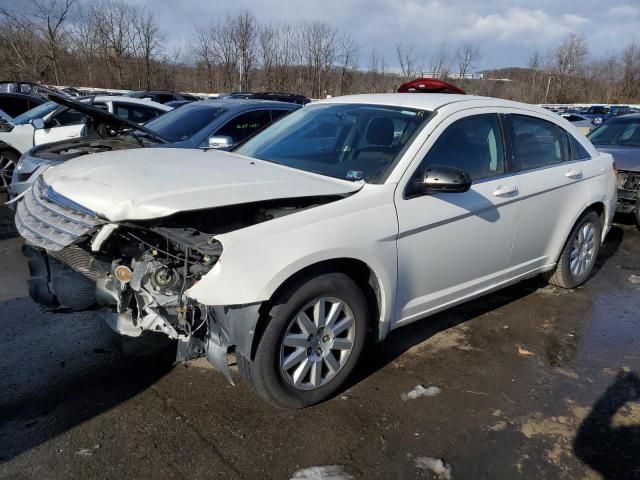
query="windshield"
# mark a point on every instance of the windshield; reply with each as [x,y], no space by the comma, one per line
[598,110]
[39,112]
[620,132]
[346,141]
[183,123]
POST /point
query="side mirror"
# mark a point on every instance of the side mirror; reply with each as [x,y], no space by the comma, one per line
[441,179]
[220,142]
[37,123]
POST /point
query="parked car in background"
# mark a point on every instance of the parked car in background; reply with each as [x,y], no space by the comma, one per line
[53,121]
[178,103]
[218,124]
[582,123]
[600,113]
[429,85]
[621,138]
[163,96]
[274,97]
[349,217]
[15,104]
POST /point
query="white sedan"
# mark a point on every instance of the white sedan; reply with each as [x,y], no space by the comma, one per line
[344,220]
[51,122]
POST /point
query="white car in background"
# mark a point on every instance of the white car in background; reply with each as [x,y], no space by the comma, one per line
[346,219]
[582,123]
[51,122]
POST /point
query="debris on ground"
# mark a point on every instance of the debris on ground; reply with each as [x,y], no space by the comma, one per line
[567,373]
[634,279]
[524,352]
[323,472]
[421,391]
[437,466]
[87,452]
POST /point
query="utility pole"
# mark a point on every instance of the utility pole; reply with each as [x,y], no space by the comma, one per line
[546,95]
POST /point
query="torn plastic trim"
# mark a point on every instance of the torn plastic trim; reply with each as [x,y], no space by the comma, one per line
[228,327]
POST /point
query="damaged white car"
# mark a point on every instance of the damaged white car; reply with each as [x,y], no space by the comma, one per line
[346,219]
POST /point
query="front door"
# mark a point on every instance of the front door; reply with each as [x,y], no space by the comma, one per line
[454,245]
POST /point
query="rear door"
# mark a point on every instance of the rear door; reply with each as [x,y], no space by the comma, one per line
[552,187]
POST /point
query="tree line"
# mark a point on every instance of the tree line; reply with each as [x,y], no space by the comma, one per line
[113,44]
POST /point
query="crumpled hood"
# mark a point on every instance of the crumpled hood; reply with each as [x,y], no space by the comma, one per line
[626,158]
[144,183]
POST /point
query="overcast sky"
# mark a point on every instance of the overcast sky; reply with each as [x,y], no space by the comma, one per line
[506,31]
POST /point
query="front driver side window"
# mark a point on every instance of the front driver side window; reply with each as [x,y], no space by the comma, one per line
[245,125]
[472,144]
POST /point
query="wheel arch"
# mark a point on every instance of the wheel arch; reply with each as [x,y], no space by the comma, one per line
[6,146]
[598,207]
[363,275]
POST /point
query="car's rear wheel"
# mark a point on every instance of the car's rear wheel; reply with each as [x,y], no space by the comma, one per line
[314,336]
[8,162]
[579,254]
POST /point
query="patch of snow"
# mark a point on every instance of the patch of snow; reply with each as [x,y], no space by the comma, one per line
[435,465]
[324,472]
[87,452]
[421,391]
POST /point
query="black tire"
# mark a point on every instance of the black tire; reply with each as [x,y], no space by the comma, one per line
[562,276]
[637,211]
[263,375]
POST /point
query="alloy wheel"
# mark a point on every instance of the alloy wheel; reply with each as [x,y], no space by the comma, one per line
[317,343]
[583,250]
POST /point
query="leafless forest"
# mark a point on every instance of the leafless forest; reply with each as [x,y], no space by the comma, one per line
[112,44]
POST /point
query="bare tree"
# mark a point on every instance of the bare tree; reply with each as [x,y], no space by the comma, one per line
[116,35]
[569,64]
[245,31]
[349,50]
[466,55]
[630,59]
[407,60]
[440,66]
[147,42]
[47,21]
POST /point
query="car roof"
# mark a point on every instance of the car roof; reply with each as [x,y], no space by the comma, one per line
[241,103]
[427,101]
[629,116]
[131,100]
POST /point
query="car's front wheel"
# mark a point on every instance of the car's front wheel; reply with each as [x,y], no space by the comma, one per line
[314,336]
[8,162]
[579,254]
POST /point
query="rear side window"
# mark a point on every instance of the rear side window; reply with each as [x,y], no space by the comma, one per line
[276,114]
[135,113]
[578,152]
[473,144]
[537,143]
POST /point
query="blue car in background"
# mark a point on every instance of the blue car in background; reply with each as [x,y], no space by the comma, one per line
[219,124]
[601,113]
[621,138]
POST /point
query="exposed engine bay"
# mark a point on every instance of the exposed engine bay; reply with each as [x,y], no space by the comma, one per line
[66,150]
[136,273]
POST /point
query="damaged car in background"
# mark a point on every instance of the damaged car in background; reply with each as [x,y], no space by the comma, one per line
[342,221]
[219,124]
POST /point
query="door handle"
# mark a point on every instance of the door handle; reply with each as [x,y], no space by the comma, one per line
[574,173]
[505,190]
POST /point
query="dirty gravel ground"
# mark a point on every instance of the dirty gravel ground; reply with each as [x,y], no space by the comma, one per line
[532,382]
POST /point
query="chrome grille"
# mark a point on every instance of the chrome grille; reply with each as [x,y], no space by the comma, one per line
[50,224]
